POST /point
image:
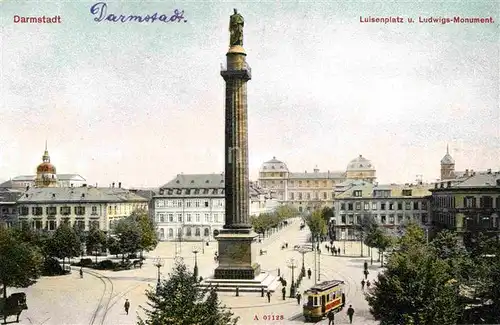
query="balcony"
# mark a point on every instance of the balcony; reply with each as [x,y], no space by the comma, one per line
[244,72]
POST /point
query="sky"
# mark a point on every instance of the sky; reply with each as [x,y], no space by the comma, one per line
[142,102]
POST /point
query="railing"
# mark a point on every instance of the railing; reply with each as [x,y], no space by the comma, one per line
[246,67]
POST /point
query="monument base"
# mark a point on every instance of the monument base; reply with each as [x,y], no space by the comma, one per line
[264,281]
[236,255]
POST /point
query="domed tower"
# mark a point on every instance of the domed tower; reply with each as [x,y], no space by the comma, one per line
[361,168]
[273,175]
[447,166]
[46,172]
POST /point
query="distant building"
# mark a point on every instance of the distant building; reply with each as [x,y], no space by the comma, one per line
[309,190]
[389,205]
[85,207]
[447,166]
[192,207]
[469,203]
[46,176]
[8,207]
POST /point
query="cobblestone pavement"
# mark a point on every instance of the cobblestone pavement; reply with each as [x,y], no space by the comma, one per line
[98,298]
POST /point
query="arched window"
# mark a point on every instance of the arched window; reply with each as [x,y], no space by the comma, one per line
[206,232]
[197,232]
[170,232]
[162,233]
[188,231]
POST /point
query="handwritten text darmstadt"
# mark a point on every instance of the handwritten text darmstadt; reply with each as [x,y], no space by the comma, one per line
[100,11]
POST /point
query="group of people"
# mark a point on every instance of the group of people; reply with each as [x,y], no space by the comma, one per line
[331,315]
[335,251]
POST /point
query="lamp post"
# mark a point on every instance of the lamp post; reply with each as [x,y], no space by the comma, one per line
[158,263]
[303,250]
[202,246]
[195,252]
[292,264]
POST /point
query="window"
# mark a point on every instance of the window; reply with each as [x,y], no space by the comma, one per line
[350,207]
[292,196]
[374,205]
[469,202]
[198,218]
[51,211]
[400,205]
[170,232]
[407,205]
[188,231]
[415,205]
[179,204]
[486,202]
[400,218]
[424,205]
[357,193]
[79,211]
[342,217]
[206,204]
[391,219]
[94,210]
[497,202]
[206,232]
[179,217]
[308,196]
[80,224]
[351,219]
[391,206]
[207,217]
[160,203]
[358,205]
[342,206]
[52,224]
[188,217]
[197,232]
[170,217]
[424,218]
[300,195]
[382,206]
[36,211]
[406,192]
[216,217]
[162,233]
[197,204]
[161,217]
[24,211]
[188,204]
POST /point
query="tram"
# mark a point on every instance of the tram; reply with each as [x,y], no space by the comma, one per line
[323,297]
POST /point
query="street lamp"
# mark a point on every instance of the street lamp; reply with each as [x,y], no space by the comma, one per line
[158,263]
[319,265]
[195,252]
[303,250]
[292,264]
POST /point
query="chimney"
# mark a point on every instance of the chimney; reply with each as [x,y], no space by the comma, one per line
[119,184]
[113,185]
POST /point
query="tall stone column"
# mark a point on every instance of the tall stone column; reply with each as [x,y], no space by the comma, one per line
[235,240]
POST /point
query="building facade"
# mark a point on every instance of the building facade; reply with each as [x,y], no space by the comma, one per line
[309,190]
[192,207]
[389,205]
[84,207]
[8,207]
[467,204]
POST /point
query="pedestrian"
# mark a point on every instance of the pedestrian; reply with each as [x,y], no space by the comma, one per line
[283,292]
[366,274]
[268,296]
[127,305]
[298,296]
[363,284]
[350,313]
[81,273]
[365,265]
[333,247]
[331,243]
[333,251]
[368,284]
[331,317]
[338,251]
[309,273]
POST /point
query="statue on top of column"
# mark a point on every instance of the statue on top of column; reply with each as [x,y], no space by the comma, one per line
[236,24]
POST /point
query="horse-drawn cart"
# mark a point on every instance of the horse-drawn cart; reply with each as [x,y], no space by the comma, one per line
[13,305]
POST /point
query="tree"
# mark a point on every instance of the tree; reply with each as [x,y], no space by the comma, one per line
[316,224]
[416,288]
[95,238]
[180,301]
[113,246]
[147,226]
[65,243]
[327,214]
[20,262]
[129,236]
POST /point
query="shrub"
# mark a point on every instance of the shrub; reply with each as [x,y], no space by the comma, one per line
[105,265]
[85,262]
[51,266]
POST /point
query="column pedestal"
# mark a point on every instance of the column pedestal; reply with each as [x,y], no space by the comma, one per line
[237,255]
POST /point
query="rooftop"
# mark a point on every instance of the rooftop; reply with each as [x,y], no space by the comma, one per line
[79,194]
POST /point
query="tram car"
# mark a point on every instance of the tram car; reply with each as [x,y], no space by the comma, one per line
[323,297]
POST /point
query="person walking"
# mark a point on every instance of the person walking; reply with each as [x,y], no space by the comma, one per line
[309,273]
[331,317]
[363,284]
[298,296]
[350,313]
[283,292]
[368,284]
[365,265]
[81,272]
[366,272]
[127,306]
[268,296]
[338,251]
